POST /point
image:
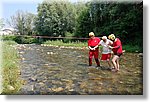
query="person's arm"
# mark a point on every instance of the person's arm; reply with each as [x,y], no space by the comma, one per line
[97,45]
[118,44]
[110,42]
[90,48]
[115,47]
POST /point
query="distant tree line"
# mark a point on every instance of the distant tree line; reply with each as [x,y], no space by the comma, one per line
[63,18]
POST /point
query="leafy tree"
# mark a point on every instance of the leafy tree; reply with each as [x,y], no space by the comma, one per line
[60,18]
[55,18]
[22,22]
[111,17]
[84,25]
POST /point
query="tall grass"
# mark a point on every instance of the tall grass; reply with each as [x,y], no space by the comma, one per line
[10,68]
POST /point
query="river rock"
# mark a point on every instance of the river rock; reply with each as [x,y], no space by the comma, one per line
[33,79]
[21,52]
[140,55]
[19,72]
[57,89]
[10,87]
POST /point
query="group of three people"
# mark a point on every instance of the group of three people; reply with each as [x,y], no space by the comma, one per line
[109,45]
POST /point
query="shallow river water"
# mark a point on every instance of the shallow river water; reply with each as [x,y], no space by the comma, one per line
[65,71]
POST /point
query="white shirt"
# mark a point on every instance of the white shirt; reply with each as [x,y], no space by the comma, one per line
[105,46]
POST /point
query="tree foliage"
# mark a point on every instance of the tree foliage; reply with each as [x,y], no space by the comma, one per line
[23,22]
[125,20]
[55,18]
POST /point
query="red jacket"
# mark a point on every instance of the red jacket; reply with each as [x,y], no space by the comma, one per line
[93,42]
[118,46]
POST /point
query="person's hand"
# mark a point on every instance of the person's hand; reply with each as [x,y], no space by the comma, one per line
[110,47]
[90,48]
[93,48]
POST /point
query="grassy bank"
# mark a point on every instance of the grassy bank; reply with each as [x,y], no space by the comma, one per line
[132,48]
[69,44]
[127,48]
[20,39]
[10,68]
[30,40]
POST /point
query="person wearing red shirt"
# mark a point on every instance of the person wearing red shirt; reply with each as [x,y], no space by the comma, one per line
[93,49]
[117,50]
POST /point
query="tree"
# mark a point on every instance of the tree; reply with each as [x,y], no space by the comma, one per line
[104,18]
[23,22]
[1,23]
[84,25]
[55,18]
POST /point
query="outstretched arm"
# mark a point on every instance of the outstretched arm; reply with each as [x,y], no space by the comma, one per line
[118,44]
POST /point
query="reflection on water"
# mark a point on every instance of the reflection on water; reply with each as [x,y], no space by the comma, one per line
[55,70]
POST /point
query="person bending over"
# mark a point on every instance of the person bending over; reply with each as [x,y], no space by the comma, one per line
[117,50]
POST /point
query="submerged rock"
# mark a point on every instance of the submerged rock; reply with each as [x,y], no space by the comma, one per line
[33,79]
[57,89]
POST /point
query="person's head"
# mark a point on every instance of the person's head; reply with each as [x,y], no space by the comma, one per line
[91,35]
[104,38]
[112,37]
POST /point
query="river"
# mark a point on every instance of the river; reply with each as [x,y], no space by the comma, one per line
[48,70]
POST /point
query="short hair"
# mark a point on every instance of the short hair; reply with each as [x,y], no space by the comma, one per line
[112,37]
[104,37]
[91,34]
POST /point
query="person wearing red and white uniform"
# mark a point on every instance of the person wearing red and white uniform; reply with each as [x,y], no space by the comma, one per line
[93,49]
[106,51]
[117,50]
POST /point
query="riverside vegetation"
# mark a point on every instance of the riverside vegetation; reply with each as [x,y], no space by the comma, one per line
[10,68]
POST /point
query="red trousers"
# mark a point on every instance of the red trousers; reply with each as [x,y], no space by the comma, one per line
[94,53]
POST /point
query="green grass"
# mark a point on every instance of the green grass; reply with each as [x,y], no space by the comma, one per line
[10,68]
[127,48]
[131,48]
[70,44]
[67,43]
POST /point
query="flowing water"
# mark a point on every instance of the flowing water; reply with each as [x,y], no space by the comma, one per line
[65,71]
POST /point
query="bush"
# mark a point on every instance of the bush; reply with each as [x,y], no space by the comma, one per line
[67,40]
[21,39]
[28,40]
[131,48]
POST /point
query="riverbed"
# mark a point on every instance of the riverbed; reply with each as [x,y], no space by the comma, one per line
[54,70]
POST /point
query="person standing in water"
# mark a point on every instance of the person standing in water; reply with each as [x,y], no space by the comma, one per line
[117,50]
[106,51]
[93,49]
